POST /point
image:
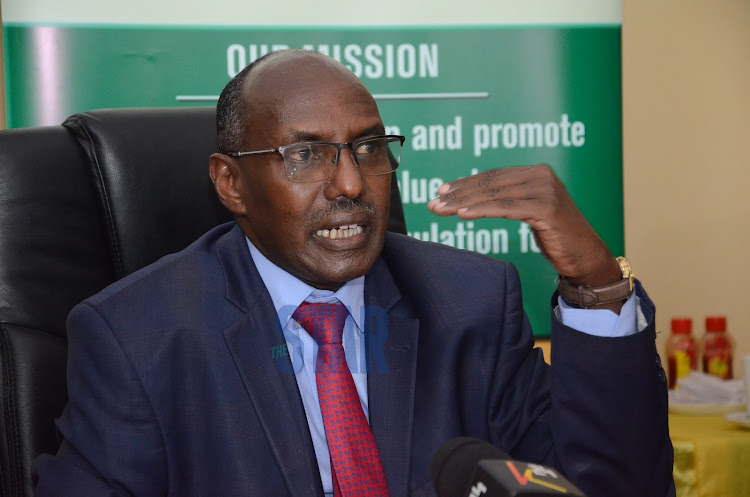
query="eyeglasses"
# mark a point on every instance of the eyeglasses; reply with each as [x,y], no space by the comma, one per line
[315,161]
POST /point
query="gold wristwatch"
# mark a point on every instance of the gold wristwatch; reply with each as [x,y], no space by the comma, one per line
[587,296]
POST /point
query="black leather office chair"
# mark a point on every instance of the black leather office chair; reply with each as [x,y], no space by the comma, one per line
[82,205]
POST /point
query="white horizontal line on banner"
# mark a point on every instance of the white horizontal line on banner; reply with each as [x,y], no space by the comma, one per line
[197,98]
[377,96]
[431,96]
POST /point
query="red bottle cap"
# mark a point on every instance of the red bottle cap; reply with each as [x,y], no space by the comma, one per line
[682,325]
[716,323]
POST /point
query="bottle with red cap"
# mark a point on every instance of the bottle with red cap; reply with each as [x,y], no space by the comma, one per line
[717,348]
[682,351]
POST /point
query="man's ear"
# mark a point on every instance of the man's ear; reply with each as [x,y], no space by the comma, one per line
[224,172]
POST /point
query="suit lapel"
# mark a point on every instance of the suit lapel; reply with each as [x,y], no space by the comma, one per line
[270,383]
[392,356]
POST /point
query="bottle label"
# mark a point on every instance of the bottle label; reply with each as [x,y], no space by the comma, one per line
[681,359]
[682,363]
[717,355]
[718,365]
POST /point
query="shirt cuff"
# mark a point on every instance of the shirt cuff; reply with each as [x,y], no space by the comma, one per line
[603,322]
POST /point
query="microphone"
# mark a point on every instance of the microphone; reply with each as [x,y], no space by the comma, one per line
[469,467]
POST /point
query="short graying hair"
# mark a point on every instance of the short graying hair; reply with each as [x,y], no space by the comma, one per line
[230,127]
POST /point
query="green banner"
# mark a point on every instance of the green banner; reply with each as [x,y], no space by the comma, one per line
[467,99]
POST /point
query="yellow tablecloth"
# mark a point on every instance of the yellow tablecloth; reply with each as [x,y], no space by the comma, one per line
[712,456]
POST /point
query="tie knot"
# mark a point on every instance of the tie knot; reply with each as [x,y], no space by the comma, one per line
[324,322]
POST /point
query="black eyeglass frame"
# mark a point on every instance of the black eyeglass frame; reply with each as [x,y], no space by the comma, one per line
[339,147]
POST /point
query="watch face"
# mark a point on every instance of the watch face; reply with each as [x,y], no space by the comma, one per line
[627,272]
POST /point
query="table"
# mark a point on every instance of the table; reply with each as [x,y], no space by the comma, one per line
[712,456]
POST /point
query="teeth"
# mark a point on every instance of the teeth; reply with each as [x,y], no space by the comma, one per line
[345,231]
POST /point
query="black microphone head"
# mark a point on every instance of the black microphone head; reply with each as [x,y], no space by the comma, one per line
[454,464]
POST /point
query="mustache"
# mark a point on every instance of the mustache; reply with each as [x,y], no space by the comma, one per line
[350,205]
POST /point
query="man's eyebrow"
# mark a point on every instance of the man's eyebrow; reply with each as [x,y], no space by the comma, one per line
[303,136]
[378,129]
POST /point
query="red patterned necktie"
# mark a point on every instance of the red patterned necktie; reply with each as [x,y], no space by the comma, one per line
[355,462]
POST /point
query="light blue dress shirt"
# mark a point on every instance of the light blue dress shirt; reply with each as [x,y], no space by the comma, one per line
[287,293]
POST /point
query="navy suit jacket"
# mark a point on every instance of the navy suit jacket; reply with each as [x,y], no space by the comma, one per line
[176,387]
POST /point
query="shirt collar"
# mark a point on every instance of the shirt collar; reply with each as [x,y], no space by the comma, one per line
[288,292]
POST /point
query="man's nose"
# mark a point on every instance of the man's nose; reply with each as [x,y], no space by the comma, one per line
[346,179]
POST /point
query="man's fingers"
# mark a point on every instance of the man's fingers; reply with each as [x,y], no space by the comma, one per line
[504,192]
[450,203]
[506,208]
[478,181]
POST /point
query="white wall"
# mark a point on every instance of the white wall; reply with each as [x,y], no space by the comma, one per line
[686,98]
[301,12]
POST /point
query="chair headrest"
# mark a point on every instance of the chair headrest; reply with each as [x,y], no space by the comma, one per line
[150,172]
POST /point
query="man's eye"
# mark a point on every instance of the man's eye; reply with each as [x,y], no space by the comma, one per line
[303,154]
[368,148]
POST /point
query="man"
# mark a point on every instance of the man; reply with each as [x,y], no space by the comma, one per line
[205,374]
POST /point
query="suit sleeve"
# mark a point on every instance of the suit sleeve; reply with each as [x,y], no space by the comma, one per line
[112,444]
[609,417]
[599,414]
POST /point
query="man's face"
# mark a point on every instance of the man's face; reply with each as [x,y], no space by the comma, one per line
[304,98]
